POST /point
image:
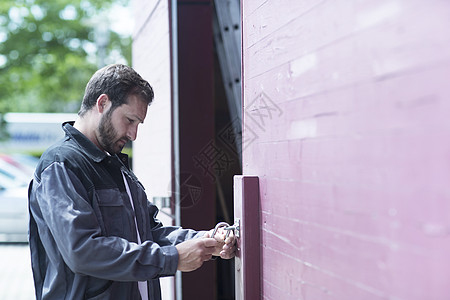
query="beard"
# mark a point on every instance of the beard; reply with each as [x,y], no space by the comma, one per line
[108,137]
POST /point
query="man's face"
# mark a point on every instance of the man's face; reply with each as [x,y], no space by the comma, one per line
[120,125]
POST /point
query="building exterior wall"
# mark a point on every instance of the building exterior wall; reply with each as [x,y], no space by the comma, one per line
[152,150]
[346,123]
[151,58]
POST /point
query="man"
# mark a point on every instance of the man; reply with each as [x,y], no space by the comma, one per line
[93,233]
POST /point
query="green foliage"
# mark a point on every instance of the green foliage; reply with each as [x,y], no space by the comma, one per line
[48,52]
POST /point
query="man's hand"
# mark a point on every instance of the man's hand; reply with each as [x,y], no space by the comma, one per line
[225,247]
[193,253]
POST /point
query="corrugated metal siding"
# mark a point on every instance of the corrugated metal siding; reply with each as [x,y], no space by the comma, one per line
[346,123]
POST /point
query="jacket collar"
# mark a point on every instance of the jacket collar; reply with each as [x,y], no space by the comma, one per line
[90,149]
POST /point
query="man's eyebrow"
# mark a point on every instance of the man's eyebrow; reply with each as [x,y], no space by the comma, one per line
[140,120]
[137,117]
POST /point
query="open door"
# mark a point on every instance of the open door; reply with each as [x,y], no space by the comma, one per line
[247,219]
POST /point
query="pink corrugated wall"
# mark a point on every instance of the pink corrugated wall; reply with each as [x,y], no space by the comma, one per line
[347,125]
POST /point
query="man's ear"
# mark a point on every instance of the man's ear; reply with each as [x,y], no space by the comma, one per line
[103,103]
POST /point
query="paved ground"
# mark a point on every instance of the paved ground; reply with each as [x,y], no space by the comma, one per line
[16,280]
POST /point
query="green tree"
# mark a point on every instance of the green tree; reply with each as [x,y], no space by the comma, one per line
[48,51]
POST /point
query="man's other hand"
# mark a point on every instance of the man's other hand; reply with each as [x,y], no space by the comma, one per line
[193,253]
[226,247]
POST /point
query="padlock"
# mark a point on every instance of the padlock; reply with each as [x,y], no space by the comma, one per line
[220,225]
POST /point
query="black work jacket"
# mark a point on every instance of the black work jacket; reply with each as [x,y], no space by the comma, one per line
[83,236]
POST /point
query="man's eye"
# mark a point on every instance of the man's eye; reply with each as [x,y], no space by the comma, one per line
[130,121]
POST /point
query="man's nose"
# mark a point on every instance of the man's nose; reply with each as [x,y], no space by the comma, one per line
[132,133]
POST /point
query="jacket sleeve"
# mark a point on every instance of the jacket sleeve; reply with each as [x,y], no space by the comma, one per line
[59,206]
[169,235]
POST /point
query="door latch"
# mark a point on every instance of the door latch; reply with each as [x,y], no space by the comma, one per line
[236,227]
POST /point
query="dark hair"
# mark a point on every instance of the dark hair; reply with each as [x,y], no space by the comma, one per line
[118,82]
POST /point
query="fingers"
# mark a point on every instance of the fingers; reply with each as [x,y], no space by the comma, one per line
[210,245]
[228,253]
[220,235]
[231,239]
[206,257]
[210,242]
[225,248]
[209,234]
[193,253]
[229,249]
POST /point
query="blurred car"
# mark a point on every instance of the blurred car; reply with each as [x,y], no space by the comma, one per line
[27,163]
[14,214]
[15,174]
